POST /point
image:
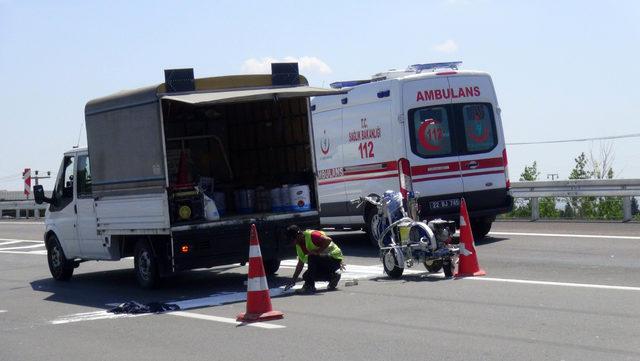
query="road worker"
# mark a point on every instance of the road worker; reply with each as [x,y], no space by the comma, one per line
[323,257]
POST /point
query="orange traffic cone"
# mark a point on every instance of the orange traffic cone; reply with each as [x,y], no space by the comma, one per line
[468,265]
[258,299]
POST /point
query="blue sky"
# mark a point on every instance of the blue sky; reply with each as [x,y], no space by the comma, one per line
[562,69]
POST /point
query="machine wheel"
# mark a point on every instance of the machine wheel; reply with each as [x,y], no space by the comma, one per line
[390,264]
[480,228]
[372,219]
[448,266]
[433,265]
[145,265]
[271,266]
[61,268]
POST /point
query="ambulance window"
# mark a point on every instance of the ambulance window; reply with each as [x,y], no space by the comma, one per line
[479,128]
[430,132]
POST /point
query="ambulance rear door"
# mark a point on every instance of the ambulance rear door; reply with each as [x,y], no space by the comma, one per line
[431,145]
[480,143]
[370,163]
[327,130]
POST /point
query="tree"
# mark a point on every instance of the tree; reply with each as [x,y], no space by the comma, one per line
[530,173]
[634,206]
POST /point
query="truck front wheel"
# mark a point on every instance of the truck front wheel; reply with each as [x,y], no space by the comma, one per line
[145,265]
[61,268]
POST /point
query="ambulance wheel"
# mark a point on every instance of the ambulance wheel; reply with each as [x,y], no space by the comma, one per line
[433,265]
[145,265]
[271,266]
[60,267]
[390,264]
[480,227]
[372,221]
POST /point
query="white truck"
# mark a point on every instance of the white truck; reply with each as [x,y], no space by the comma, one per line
[443,122]
[158,157]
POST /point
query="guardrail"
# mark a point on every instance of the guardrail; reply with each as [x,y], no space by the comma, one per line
[625,188]
[22,209]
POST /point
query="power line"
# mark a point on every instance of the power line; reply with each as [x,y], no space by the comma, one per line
[635,135]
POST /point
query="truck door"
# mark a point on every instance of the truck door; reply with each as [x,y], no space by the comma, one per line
[327,131]
[431,146]
[87,223]
[62,209]
[480,145]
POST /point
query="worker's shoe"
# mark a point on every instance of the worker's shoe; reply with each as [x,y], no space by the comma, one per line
[306,289]
[333,282]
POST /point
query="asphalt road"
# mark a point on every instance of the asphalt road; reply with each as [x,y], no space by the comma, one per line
[553,291]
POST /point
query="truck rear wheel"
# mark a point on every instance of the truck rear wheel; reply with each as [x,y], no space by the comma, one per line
[271,266]
[480,227]
[145,265]
[60,267]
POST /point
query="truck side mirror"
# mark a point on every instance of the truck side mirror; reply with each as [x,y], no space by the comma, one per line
[38,195]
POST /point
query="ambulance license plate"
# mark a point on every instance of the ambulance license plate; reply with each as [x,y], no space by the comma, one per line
[445,203]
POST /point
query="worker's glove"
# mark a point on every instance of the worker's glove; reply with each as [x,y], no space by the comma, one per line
[343,266]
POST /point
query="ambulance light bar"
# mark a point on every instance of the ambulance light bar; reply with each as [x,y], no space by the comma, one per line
[348,83]
[418,68]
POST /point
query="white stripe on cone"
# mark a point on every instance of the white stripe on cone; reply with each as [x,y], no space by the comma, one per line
[254,251]
[257,284]
[462,222]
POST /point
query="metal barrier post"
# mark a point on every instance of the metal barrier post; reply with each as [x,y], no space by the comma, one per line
[626,209]
[535,208]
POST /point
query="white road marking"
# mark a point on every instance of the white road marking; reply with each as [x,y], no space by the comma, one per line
[562,235]
[21,247]
[21,240]
[9,242]
[21,223]
[223,320]
[548,283]
[25,252]
[3,311]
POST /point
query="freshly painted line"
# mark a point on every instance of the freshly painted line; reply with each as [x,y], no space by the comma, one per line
[3,311]
[547,283]
[21,247]
[232,321]
[213,300]
[562,235]
[21,240]
[90,316]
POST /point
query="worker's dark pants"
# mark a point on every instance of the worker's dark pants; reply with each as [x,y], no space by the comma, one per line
[320,268]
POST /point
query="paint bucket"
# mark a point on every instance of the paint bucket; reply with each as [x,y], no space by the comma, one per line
[244,200]
[219,198]
[404,234]
[300,198]
[285,199]
[276,202]
[263,200]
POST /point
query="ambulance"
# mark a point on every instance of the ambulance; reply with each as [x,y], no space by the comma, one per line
[439,125]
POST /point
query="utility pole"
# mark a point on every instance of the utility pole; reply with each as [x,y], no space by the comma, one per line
[42,176]
[553,176]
